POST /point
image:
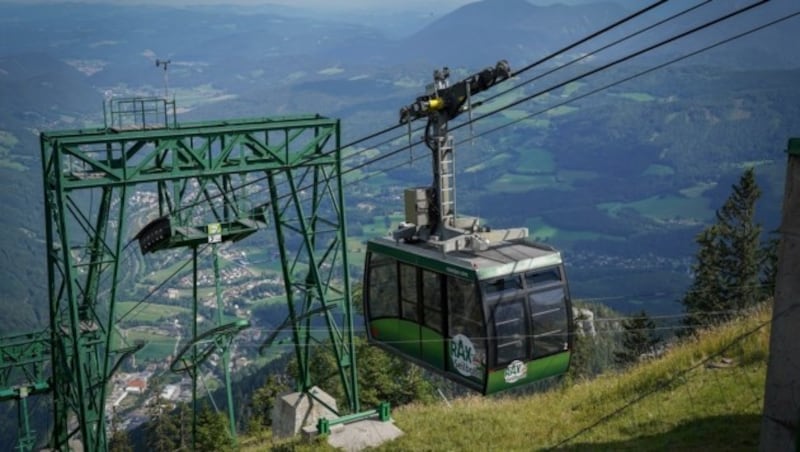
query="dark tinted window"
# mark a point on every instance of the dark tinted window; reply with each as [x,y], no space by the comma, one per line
[432,300]
[502,286]
[541,278]
[509,330]
[408,292]
[383,287]
[549,321]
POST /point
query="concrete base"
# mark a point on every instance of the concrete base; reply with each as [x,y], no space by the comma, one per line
[360,435]
[295,410]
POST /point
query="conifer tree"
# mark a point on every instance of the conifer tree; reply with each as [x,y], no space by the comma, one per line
[769,266]
[264,399]
[730,260]
[639,338]
[212,431]
[162,431]
[119,440]
[706,296]
[740,243]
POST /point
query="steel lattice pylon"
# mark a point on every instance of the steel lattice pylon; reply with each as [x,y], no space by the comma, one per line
[204,174]
[24,362]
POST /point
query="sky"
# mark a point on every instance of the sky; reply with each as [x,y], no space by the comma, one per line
[332,4]
[360,5]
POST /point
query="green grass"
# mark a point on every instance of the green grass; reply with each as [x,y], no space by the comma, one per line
[7,143]
[7,140]
[520,183]
[561,110]
[664,208]
[539,230]
[658,170]
[571,88]
[378,227]
[529,178]
[535,160]
[676,402]
[333,70]
[501,101]
[536,123]
[571,176]
[407,82]
[148,312]
[637,96]
[157,346]
[195,96]
[158,276]
[697,189]
[514,114]
[496,160]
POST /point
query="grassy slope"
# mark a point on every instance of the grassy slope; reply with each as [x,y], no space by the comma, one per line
[679,402]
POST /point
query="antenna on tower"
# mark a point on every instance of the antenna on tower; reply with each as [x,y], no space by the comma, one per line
[164,64]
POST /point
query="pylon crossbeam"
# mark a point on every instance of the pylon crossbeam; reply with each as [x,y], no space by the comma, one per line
[197,170]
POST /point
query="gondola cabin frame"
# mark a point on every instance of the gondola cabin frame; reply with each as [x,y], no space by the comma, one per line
[490,319]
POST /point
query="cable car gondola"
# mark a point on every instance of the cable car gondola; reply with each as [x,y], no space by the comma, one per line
[489,309]
[489,319]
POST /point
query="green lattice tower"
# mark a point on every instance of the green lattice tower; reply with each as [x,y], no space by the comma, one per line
[24,365]
[291,167]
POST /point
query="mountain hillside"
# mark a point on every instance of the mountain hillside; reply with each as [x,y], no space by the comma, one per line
[489,30]
[35,86]
[704,394]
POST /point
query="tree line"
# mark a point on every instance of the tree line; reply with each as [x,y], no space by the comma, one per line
[734,270]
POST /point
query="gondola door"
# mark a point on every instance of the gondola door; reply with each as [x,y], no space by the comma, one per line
[410,308]
[421,303]
[431,333]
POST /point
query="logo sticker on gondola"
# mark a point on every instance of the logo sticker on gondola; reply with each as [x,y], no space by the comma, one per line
[462,354]
[515,372]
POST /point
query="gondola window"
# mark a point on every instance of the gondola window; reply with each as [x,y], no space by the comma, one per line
[549,320]
[509,324]
[432,300]
[383,287]
[408,292]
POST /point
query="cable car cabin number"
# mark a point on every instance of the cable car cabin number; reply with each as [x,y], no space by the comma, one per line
[491,320]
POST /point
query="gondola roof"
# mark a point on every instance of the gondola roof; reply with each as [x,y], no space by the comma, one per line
[499,258]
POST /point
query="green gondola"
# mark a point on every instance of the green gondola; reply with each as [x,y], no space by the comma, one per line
[487,309]
[490,319]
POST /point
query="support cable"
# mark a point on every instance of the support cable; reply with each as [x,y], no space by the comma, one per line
[596,51]
[526,68]
[595,91]
[599,69]
[639,74]
[590,37]
[619,60]
[160,286]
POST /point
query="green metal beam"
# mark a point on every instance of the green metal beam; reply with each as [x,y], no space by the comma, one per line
[202,173]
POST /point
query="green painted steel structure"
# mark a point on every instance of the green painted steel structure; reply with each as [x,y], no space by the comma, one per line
[24,367]
[203,173]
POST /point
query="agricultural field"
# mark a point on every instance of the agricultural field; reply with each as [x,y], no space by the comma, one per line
[158,343]
[7,143]
[666,208]
[149,312]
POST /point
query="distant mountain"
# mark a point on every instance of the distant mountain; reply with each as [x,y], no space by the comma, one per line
[37,84]
[37,90]
[522,31]
[516,30]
